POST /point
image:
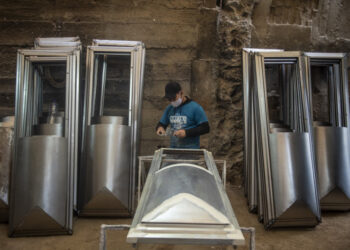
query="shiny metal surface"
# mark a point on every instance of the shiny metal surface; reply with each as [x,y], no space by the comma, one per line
[41,168]
[184,203]
[49,42]
[48,129]
[251,153]
[193,180]
[293,179]
[118,120]
[93,114]
[333,161]
[119,43]
[280,166]
[332,136]
[104,183]
[298,118]
[6,148]
[44,154]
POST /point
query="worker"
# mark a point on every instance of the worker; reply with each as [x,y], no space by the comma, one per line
[187,119]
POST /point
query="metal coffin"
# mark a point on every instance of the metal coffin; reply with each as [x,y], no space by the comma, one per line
[328,88]
[112,113]
[43,177]
[184,203]
[105,180]
[288,192]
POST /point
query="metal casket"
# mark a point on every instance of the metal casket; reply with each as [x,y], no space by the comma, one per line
[184,203]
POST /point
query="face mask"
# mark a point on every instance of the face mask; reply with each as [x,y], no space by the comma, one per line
[177,103]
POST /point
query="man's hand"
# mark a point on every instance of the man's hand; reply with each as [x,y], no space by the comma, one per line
[180,133]
[160,131]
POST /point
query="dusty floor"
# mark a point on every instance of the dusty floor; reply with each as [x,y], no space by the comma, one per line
[332,233]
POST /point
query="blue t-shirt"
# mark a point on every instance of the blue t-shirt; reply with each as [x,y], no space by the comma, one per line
[186,116]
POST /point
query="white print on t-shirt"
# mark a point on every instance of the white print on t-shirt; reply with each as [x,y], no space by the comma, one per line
[178,121]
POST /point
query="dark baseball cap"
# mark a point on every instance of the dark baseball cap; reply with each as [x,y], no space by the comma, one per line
[171,89]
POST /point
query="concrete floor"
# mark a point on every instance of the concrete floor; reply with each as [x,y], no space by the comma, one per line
[332,233]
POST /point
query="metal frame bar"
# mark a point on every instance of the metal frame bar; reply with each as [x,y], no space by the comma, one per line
[103,81]
[119,43]
[112,49]
[119,227]
[250,154]
[340,90]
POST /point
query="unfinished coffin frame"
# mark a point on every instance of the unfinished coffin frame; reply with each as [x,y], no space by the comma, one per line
[110,181]
[284,163]
[251,153]
[36,207]
[332,138]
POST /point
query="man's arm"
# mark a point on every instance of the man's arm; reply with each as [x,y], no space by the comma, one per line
[202,121]
[161,125]
[164,120]
[201,129]
[160,129]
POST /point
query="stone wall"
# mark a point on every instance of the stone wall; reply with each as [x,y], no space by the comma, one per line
[234,32]
[314,25]
[191,41]
[180,37]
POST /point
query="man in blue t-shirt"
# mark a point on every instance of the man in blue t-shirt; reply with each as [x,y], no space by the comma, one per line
[187,119]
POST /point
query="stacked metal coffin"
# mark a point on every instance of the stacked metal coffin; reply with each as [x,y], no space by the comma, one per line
[45,138]
[112,110]
[184,203]
[327,83]
[295,161]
